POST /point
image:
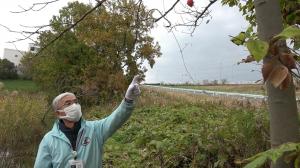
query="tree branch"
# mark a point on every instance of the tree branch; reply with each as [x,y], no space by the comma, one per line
[182,57]
[23,33]
[204,11]
[8,29]
[193,23]
[137,22]
[169,10]
[43,4]
[71,26]
[202,14]
[162,17]
[16,48]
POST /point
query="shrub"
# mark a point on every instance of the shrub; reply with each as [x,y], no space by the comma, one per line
[169,130]
[7,70]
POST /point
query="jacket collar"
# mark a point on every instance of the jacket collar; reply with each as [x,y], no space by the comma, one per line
[59,134]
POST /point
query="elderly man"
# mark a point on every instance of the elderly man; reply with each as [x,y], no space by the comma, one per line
[76,143]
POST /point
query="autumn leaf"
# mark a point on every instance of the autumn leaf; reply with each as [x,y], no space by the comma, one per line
[288,60]
[286,81]
[248,59]
[266,70]
[278,74]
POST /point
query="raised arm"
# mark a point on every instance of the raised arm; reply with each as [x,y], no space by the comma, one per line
[110,124]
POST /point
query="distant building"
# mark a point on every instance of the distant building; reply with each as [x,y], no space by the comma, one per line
[33,48]
[13,56]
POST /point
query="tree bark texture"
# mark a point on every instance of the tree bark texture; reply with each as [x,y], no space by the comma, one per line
[284,121]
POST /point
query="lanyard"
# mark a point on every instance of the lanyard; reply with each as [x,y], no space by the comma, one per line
[74,152]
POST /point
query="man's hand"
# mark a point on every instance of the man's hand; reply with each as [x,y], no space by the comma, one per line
[133,90]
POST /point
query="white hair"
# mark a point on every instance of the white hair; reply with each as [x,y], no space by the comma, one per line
[58,98]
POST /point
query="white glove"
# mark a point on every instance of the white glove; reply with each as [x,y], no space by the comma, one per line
[133,90]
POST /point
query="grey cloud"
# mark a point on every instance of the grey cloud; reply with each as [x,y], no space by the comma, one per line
[208,54]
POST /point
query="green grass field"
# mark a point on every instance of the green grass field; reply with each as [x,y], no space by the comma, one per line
[20,85]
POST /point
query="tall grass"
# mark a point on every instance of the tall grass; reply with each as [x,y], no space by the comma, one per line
[165,130]
[21,128]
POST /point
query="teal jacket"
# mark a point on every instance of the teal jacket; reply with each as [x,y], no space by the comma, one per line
[55,149]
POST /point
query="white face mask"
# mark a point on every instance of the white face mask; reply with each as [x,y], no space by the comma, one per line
[73,112]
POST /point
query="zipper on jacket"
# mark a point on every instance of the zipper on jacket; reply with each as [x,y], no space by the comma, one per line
[74,151]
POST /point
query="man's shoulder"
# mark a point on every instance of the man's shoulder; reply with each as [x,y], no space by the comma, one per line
[47,139]
[53,132]
[48,135]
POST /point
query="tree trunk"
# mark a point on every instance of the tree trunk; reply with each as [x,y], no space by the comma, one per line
[284,121]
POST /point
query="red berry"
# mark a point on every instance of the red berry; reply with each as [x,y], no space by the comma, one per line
[190,3]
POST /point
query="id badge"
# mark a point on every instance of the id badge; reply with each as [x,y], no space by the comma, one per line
[76,163]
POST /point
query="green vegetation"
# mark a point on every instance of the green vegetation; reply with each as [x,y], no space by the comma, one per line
[21,128]
[166,129]
[20,85]
[293,150]
[173,130]
[100,62]
[7,70]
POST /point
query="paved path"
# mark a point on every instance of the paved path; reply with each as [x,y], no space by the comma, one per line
[210,93]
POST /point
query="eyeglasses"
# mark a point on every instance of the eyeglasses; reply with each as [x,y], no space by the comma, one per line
[68,103]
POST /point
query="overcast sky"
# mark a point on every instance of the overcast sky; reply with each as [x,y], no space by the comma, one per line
[208,54]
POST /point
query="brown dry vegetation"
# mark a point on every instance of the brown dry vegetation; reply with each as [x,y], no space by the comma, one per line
[238,88]
[161,97]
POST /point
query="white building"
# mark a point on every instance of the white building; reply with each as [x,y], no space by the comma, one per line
[33,48]
[13,56]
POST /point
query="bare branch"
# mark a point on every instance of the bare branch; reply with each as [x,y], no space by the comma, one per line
[162,17]
[8,29]
[195,14]
[22,32]
[71,26]
[192,22]
[42,4]
[18,49]
[204,11]
[34,27]
[181,53]
[137,22]
[169,10]
[25,34]
[203,14]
